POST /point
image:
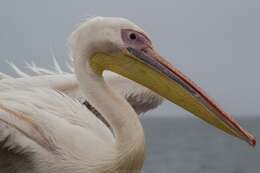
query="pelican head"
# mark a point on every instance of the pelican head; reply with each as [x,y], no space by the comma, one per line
[121,46]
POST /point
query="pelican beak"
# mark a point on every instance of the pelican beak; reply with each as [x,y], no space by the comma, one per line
[151,70]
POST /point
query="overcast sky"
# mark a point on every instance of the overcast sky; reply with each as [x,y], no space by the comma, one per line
[216,43]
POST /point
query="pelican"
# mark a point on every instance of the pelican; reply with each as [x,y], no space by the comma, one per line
[44,130]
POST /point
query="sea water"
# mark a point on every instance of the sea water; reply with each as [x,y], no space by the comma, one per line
[188,145]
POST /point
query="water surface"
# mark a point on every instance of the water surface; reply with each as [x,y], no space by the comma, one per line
[183,145]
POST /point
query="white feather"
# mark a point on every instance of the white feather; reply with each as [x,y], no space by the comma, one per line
[19,72]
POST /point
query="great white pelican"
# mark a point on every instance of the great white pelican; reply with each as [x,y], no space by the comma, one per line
[42,129]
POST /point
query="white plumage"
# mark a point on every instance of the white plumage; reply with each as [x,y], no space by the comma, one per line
[52,127]
[140,98]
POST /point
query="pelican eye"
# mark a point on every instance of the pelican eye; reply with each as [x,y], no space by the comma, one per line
[132,36]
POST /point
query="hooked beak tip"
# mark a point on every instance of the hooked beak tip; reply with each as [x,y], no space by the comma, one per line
[252,142]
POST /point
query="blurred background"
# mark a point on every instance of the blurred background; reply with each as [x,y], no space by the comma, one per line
[216,43]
